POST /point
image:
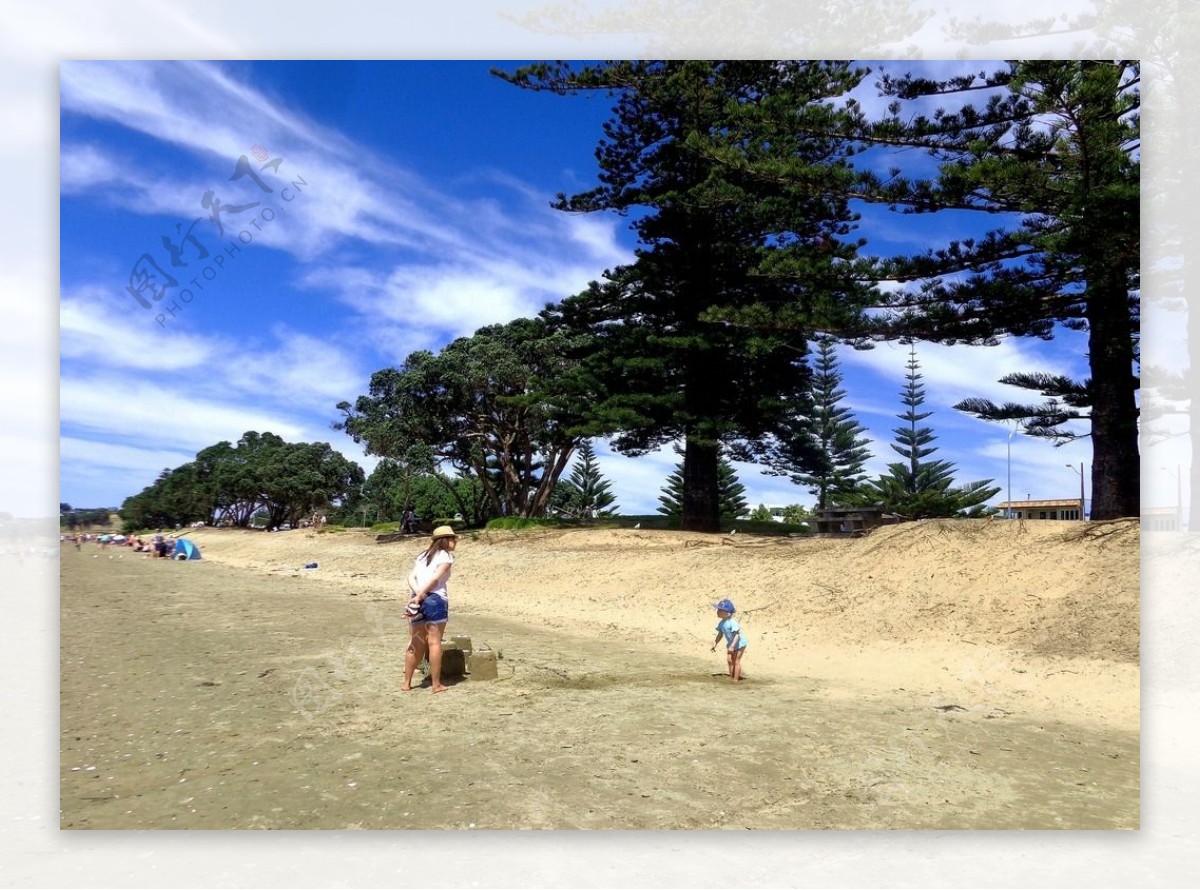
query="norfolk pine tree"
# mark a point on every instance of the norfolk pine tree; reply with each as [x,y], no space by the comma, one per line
[822,422]
[732,493]
[917,488]
[668,367]
[1054,150]
[586,489]
[1057,147]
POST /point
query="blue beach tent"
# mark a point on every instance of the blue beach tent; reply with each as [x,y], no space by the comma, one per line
[185,549]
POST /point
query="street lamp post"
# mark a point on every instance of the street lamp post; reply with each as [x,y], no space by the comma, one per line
[1012,432]
[1082,516]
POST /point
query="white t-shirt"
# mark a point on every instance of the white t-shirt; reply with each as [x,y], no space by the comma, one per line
[421,573]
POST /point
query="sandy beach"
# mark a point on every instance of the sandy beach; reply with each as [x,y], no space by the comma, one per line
[942,674]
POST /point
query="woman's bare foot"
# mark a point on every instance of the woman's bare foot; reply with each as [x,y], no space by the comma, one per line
[439,688]
[406,688]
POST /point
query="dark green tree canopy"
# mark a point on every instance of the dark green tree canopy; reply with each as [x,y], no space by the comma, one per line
[1057,146]
[666,363]
[504,406]
[821,446]
[1049,150]
[394,485]
[263,474]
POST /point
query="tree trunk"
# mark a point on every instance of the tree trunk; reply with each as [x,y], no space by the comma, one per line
[701,497]
[556,462]
[1116,465]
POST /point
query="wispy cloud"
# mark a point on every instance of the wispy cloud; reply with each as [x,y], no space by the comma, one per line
[415,265]
[88,332]
[953,373]
[164,412]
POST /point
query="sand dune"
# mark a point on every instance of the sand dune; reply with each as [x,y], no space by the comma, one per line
[942,675]
[922,599]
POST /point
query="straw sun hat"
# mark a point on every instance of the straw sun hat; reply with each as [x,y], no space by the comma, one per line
[444,531]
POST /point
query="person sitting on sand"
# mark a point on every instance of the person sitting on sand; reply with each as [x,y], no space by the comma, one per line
[408,523]
[427,581]
[735,643]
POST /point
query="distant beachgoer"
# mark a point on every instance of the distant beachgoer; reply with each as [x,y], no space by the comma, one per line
[427,583]
[735,643]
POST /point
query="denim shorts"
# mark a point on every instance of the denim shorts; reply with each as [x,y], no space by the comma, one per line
[434,610]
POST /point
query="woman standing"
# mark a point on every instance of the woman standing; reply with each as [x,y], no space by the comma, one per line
[430,572]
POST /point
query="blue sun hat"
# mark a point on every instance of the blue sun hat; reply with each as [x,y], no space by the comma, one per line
[725,605]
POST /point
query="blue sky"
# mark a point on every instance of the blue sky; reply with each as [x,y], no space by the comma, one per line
[408,205]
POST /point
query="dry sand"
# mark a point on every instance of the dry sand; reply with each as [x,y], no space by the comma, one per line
[943,674]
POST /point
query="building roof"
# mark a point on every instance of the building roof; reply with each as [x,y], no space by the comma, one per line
[1040,505]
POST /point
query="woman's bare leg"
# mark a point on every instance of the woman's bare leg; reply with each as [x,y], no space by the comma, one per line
[434,641]
[417,646]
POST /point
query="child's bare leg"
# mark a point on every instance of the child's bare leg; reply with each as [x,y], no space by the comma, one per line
[412,657]
[729,661]
[434,641]
[736,673]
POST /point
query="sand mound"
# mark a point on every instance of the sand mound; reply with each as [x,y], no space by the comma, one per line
[1054,589]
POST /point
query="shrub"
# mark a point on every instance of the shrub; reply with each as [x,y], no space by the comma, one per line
[519,522]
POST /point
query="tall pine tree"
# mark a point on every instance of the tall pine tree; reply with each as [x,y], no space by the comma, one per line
[731,493]
[916,488]
[1058,146]
[586,492]
[1052,154]
[822,424]
[669,370]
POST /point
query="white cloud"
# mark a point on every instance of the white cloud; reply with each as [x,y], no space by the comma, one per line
[164,412]
[350,193]
[303,371]
[598,235]
[90,332]
[953,373]
[84,166]
[433,298]
[110,456]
